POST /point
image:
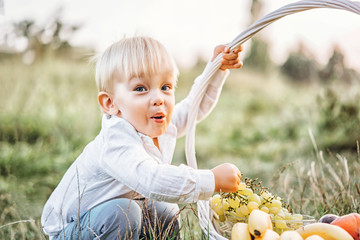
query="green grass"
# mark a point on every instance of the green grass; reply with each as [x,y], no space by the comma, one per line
[48,113]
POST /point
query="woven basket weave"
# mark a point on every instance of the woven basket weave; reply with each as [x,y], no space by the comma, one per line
[206,219]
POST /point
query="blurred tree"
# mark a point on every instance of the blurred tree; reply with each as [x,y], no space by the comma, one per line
[336,69]
[300,66]
[38,40]
[258,56]
[338,121]
[255,9]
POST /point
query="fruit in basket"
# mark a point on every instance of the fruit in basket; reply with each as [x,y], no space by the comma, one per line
[259,222]
[240,231]
[290,235]
[237,206]
[314,237]
[328,218]
[270,235]
[350,223]
[259,227]
[324,230]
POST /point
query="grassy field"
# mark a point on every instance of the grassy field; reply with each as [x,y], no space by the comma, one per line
[300,140]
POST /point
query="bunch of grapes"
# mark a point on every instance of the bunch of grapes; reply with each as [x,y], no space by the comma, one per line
[237,206]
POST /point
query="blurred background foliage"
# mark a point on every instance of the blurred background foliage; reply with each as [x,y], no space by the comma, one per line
[270,121]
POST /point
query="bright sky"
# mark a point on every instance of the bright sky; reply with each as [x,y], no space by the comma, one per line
[189,28]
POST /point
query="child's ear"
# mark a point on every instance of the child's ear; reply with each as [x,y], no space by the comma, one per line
[107,104]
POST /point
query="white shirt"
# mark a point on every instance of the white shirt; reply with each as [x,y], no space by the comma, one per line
[121,162]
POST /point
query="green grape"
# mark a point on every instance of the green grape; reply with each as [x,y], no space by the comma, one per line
[239,212]
[288,216]
[250,196]
[285,210]
[281,224]
[222,218]
[226,204]
[247,192]
[264,209]
[276,203]
[277,217]
[219,209]
[281,214]
[266,195]
[244,210]
[274,210]
[255,198]
[216,199]
[242,186]
[268,205]
[234,203]
[252,206]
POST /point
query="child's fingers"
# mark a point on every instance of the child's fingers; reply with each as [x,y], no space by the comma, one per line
[219,49]
[230,56]
[230,62]
[239,49]
[234,54]
[231,66]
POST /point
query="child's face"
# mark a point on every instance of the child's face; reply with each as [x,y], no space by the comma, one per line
[146,102]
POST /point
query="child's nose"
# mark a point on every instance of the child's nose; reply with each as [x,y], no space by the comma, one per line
[157,100]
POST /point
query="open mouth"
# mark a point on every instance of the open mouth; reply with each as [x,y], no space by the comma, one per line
[158,116]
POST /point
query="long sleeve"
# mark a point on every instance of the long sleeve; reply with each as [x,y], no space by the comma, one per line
[128,162]
[207,104]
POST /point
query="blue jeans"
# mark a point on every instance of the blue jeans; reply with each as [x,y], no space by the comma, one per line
[125,219]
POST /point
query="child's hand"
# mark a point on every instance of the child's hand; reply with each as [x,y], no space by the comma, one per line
[227,177]
[230,59]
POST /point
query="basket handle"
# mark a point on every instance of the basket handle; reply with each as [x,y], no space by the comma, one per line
[203,206]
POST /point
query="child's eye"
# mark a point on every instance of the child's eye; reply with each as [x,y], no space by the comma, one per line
[166,88]
[140,89]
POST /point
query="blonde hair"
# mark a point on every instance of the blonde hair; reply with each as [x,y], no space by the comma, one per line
[132,57]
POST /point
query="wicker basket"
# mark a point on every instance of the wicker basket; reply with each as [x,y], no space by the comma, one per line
[207,220]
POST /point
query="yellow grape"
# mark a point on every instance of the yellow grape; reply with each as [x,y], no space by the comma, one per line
[297,216]
[222,218]
[247,192]
[252,206]
[277,217]
[264,209]
[274,210]
[276,203]
[255,198]
[242,186]
[239,213]
[244,210]
[219,209]
[234,203]
[280,224]
[285,210]
[216,199]
[288,216]
[266,195]
[281,214]
[226,205]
